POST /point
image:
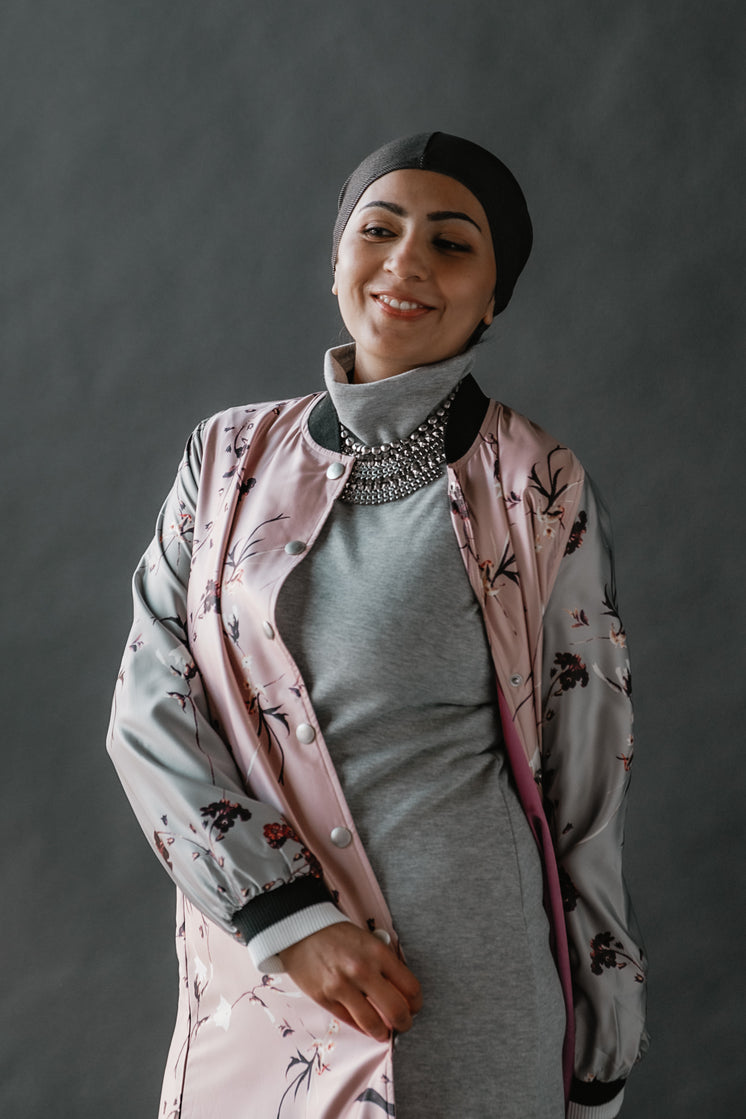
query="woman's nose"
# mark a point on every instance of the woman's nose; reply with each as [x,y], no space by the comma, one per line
[407,259]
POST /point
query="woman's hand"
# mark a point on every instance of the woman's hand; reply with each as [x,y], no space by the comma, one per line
[354,976]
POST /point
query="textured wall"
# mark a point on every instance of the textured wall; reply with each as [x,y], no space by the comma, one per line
[169,177]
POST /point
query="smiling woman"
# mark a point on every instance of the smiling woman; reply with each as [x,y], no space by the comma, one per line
[374,711]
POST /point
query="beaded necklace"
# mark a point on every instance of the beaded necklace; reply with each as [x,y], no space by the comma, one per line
[388,471]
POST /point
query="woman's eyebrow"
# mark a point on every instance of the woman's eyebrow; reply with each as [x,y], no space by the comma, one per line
[436,215]
[392,206]
[444,215]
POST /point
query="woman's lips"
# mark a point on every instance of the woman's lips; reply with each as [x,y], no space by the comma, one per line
[400,308]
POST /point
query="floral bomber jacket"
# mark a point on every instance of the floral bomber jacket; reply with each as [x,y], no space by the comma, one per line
[224,760]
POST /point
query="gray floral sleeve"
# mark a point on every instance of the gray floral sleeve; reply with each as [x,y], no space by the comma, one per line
[218,844]
[588,731]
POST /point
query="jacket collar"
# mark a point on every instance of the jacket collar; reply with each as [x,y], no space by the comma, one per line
[464,421]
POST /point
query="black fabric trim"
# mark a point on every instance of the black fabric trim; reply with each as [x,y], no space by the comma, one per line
[465,419]
[467,413]
[593,1093]
[269,908]
[323,424]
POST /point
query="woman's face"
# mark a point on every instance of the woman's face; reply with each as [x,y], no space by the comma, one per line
[415,272]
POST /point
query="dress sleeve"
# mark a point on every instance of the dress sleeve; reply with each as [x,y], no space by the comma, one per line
[587,758]
[236,858]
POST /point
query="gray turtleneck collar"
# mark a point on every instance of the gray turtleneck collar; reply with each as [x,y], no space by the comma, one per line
[383,411]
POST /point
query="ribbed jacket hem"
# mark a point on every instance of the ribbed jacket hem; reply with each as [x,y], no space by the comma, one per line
[608,1110]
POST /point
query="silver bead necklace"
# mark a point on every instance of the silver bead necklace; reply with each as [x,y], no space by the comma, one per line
[389,471]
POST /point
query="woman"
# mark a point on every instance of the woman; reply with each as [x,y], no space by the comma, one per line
[374,710]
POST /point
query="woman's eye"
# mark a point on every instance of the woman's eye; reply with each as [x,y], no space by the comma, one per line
[452,246]
[377,231]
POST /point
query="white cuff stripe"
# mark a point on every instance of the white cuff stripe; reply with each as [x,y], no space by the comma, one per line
[264,947]
[604,1111]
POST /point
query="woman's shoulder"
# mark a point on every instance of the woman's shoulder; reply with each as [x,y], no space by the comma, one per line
[248,418]
[522,445]
[235,427]
[251,415]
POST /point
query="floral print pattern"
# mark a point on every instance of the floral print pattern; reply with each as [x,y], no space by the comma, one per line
[606,952]
[548,480]
[568,671]
[223,814]
[277,834]
[578,532]
[303,1066]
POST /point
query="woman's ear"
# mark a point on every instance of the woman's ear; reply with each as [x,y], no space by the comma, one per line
[490,312]
[334,285]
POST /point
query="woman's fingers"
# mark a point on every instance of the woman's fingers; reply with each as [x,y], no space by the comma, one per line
[375,1011]
[403,979]
[353,975]
[365,1016]
[392,1007]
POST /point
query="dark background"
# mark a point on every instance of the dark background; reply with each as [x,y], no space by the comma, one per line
[168,186]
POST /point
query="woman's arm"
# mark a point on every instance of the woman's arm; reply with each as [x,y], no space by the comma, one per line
[188,795]
[180,775]
[587,757]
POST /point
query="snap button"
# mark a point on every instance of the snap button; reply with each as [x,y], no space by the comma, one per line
[516,680]
[341,837]
[336,470]
[268,629]
[305,733]
[382,935]
[295,547]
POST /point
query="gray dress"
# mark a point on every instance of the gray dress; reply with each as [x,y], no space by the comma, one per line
[388,634]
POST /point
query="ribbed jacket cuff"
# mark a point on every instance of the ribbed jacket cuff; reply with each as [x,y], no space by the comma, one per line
[265,947]
[609,1109]
[274,905]
[281,917]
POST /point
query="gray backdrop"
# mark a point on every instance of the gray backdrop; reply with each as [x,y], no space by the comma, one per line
[169,178]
